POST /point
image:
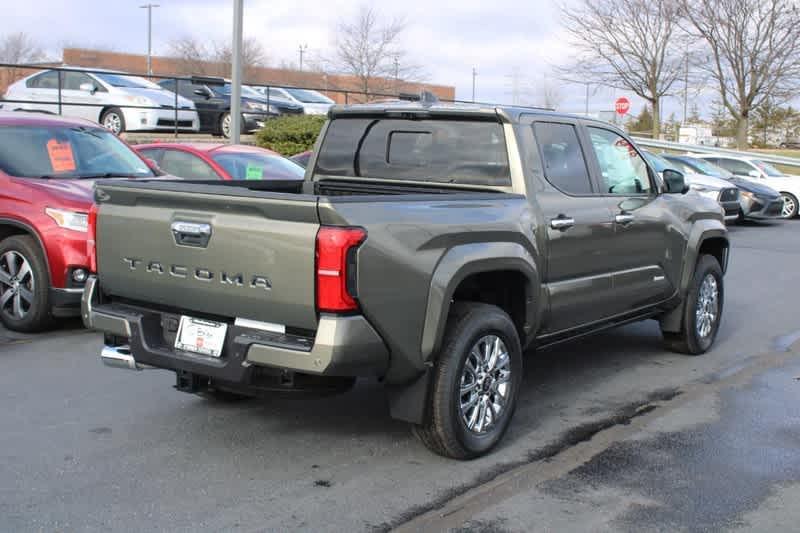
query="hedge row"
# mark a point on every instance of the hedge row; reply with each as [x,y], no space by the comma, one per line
[290,134]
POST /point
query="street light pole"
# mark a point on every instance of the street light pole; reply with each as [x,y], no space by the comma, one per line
[149,8]
[236,75]
[474,75]
[302,49]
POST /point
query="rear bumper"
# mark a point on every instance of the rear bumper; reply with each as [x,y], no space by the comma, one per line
[344,346]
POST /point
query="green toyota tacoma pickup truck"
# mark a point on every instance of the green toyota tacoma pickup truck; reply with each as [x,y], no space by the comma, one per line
[429,246]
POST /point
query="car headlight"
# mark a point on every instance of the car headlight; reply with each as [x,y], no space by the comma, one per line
[255,106]
[74,220]
[140,100]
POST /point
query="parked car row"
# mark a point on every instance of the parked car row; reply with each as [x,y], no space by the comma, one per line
[745,187]
[122,102]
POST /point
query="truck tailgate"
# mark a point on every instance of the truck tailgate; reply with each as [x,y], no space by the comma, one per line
[218,252]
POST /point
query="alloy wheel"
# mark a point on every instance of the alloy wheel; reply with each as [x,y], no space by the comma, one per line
[226,125]
[16,285]
[789,206]
[485,384]
[112,122]
[707,309]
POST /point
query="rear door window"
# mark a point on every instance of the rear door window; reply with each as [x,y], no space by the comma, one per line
[737,167]
[562,157]
[47,80]
[439,151]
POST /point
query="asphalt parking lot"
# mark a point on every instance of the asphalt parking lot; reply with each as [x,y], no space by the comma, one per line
[612,433]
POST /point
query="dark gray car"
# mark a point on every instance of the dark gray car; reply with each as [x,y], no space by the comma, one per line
[428,247]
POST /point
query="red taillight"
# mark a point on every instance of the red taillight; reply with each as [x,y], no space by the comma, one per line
[336,268]
[91,236]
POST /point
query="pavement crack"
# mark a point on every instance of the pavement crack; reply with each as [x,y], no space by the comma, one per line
[569,439]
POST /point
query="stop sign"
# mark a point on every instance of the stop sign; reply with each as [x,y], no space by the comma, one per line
[622,105]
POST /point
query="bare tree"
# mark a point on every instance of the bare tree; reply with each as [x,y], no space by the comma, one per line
[754,50]
[633,45]
[17,48]
[368,48]
[195,57]
[550,95]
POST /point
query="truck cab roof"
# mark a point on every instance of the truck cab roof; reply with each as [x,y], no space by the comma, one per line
[508,114]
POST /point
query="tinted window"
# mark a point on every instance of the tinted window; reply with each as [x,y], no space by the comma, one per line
[444,151]
[256,166]
[186,165]
[564,165]
[153,153]
[168,85]
[66,152]
[47,80]
[73,80]
[622,168]
[737,167]
[131,82]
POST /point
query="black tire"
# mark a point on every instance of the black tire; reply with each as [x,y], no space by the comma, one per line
[116,120]
[34,311]
[688,340]
[445,432]
[786,196]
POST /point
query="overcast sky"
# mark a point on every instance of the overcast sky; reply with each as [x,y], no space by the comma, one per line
[447,38]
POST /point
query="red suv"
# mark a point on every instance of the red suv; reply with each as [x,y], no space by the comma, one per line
[47,167]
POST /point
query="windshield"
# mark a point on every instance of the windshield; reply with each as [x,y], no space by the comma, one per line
[309,97]
[767,169]
[67,152]
[246,91]
[659,163]
[130,82]
[709,169]
[256,166]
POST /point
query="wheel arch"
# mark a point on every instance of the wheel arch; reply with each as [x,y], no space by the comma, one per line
[10,227]
[510,281]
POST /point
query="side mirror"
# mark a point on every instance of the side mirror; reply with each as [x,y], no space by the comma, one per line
[754,174]
[202,92]
[674,182]
[88,87]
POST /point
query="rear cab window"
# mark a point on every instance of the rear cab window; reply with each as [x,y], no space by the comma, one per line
[466,152]
[564,165]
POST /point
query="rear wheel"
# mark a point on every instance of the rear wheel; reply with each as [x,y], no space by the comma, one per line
[475,384]
[226,125]
[113,120]
[789,205]
[702,310]
[24,285]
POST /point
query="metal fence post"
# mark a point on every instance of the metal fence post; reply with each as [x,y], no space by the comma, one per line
[176,107]
[59,91]
[346,98]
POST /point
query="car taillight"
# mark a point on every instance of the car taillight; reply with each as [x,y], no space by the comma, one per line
[91,238]
[336,268]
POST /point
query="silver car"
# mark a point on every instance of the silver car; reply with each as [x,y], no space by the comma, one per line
[114,99]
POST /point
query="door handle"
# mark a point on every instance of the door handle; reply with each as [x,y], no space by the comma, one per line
[562,223]
[624,219]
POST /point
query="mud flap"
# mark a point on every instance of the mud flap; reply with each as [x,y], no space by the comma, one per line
[671,321]
[409,401]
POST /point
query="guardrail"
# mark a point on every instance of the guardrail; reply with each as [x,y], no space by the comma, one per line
[56,102]
[702,149]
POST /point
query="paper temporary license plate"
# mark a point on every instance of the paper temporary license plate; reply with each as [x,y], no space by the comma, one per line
[201,336]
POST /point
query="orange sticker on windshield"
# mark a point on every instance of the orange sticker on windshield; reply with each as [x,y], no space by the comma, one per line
[61,158]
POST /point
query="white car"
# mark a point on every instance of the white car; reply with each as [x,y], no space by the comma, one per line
[313,102]
[114,97]
[753,169]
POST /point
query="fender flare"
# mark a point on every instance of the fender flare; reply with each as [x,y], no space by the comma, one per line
[462,261]
[702,231]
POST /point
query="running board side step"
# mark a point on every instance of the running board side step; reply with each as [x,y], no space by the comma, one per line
[120,357]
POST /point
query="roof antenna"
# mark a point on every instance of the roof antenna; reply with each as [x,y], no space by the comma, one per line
[427,98]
